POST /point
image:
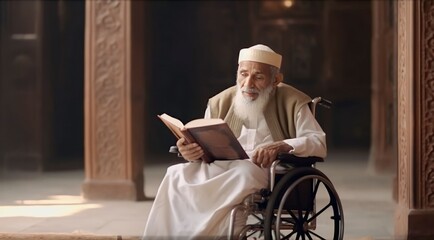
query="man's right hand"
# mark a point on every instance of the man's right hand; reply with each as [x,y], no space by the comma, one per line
[189,151]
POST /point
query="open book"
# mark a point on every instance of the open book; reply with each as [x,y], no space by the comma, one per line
[213,135]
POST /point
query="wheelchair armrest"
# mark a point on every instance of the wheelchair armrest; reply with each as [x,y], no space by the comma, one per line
[298,161]
[173,149]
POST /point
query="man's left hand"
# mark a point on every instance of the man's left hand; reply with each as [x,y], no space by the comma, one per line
[265,156]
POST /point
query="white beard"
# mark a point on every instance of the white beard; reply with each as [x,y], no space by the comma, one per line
[250,110]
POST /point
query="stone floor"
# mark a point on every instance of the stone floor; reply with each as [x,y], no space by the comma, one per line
[51,202]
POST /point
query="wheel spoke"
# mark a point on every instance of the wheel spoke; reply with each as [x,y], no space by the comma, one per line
[319,212]
[296,220]
[315,191]
[300,211]
[260,219]
[288,236]
[288,220]
[316,235]
[306,215]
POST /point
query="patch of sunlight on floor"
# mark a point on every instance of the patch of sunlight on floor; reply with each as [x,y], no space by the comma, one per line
[54,206]
[55,199]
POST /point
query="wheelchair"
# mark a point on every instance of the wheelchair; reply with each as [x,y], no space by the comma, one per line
[299,203]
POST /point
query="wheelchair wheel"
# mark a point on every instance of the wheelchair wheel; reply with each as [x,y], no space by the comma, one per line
[304,205]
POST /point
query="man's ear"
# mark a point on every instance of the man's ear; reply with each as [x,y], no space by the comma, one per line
[278,79]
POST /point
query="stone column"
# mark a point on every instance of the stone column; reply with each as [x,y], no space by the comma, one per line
[114,100]
[415,209]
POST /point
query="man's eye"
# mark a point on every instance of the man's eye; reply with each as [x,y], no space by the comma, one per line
[244,74]
[260,77]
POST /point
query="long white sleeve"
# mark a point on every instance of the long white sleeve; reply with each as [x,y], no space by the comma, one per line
[310,139]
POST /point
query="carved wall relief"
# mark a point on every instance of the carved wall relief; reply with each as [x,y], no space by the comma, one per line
[426,100]
[403,108]
[108,91]
[423,161]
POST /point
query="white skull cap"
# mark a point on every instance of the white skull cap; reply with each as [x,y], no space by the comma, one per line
[260,53]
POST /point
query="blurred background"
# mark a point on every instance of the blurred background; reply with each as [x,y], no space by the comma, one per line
[191,52]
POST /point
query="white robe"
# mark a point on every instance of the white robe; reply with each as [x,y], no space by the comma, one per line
[194,199]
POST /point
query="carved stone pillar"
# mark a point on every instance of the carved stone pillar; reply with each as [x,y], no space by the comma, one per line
[415,209]
[114,100]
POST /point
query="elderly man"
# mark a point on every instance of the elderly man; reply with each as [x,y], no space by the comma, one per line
[268,117]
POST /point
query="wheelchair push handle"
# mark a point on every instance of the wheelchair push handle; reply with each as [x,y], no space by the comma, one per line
[319,101]
[325,103]
[322,102]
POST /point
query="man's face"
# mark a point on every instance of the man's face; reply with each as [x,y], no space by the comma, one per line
[252,78]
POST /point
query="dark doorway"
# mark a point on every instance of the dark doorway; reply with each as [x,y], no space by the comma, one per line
[68,89]
[42,73]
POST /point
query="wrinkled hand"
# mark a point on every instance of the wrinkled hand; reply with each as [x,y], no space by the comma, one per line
[265,155]
[189,151]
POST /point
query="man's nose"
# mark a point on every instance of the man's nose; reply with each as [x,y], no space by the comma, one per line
[249,82]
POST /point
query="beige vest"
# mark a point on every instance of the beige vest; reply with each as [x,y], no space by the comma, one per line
[280,112]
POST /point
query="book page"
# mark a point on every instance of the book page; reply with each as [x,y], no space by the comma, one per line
[172,120]
[174,125]
[203,122]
